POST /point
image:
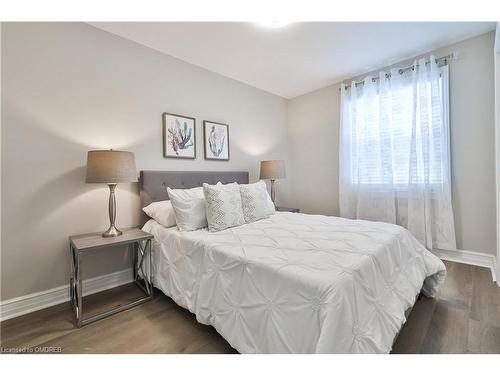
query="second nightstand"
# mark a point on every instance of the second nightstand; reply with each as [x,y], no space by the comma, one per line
[138,240]
[286,209]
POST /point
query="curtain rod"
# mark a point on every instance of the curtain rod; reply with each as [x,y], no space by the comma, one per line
[441,61]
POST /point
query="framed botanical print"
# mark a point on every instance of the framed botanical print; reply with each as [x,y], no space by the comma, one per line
[216,139]
[179,136]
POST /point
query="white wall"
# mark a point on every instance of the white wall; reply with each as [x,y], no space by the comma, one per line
[0,150]
[496,52]
[314,127]
[68,88]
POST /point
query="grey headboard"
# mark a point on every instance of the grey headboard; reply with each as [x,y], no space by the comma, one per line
[153,184]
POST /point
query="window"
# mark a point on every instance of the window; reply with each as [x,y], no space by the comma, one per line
[395,154]
[398,131]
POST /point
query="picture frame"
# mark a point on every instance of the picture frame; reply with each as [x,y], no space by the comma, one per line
[216,141]
[179,136]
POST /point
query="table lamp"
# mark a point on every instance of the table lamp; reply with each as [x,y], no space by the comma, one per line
[111,167]
[272,170]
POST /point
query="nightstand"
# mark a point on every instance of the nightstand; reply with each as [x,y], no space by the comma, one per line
[140,244]
[285,209]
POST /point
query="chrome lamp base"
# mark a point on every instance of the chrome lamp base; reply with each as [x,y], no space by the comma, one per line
[112,230]
[273,192]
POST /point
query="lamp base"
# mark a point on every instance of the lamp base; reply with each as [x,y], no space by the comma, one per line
[112,232]
[273,193]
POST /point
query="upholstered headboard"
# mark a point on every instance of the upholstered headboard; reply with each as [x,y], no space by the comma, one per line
[153,184]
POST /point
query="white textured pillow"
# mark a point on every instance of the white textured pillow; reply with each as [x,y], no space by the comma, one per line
[189,208]
[223,206]
[162,212]
[256,202]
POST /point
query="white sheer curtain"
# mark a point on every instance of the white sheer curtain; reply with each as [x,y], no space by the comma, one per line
[395,152]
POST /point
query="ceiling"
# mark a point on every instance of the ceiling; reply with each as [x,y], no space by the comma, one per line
[299,57]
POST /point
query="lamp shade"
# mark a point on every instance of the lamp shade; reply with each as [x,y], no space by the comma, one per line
[110,167]
[272,169]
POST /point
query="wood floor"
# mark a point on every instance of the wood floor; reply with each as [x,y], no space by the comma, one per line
[464,319]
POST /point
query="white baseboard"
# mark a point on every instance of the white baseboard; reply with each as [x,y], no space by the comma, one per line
[470,257]
[37,301]
[496,271]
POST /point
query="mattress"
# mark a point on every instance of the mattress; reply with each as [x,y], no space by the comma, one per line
[297,283]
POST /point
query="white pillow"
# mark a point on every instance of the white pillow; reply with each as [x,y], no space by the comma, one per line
[256,202]
[223,206]
[162,212]
[189,208]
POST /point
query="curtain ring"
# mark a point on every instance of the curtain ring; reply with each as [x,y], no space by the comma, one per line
[400,71]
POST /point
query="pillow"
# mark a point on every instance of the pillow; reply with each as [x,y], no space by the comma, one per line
[162,212]
[256,202]
[223,204]
[189,208]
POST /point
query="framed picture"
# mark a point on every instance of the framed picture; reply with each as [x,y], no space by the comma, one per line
[179,136]
[216,137]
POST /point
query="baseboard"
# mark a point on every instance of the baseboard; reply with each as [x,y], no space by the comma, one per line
[37,301]
[496,271]
[470,257]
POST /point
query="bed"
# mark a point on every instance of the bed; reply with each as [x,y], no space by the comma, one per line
[291,283]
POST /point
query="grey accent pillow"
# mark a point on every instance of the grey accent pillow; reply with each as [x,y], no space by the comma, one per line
[223,206]
[256,202]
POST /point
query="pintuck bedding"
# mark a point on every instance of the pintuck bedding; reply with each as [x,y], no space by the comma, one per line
[296,283]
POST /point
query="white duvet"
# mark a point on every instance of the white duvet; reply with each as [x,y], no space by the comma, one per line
[297,283]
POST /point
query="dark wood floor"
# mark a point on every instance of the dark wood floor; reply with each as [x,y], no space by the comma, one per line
[464,319]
